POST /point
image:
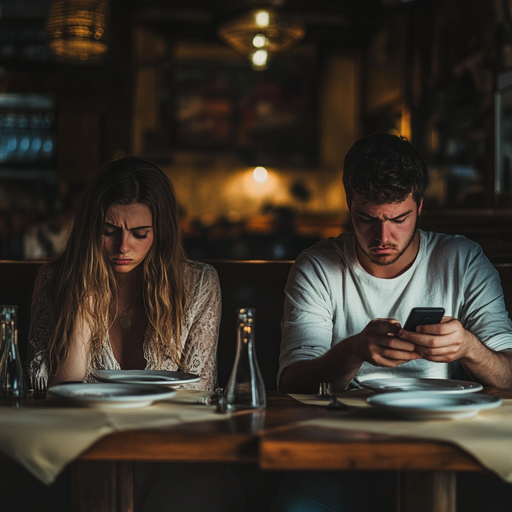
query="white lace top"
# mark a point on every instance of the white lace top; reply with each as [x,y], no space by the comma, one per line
[199,333]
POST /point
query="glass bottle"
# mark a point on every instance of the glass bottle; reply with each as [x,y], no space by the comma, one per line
[13,387]
[246,388]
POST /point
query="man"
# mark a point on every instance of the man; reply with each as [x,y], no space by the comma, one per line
[347,297]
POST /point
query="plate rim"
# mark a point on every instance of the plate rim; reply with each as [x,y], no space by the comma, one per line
[475,386]
[97,374]
[158,393]
[489,402]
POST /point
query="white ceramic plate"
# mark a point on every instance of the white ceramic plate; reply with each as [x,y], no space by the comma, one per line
[111,395]
[159,377]
[426,405]
[413,384]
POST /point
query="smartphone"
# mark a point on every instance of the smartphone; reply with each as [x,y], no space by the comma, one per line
[423,316]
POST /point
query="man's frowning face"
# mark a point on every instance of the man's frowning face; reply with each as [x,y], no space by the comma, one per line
[385,233]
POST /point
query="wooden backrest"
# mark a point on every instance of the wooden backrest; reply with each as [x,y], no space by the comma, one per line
[257,284]
[16,286]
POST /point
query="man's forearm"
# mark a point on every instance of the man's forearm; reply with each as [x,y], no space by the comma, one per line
[490,368]
[337,366]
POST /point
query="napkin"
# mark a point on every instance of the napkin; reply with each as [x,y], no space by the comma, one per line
[354,398]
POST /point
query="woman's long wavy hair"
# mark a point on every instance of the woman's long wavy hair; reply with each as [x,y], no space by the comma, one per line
[85,287]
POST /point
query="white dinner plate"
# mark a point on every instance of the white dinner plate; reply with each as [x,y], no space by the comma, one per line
[160,377]
[111,395]
[414,384]
[427,405]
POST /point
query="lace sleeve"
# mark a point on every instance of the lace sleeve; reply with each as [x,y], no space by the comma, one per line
[41,325]
[201,343]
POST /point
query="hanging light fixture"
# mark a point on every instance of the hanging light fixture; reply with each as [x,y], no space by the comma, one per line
[76,29]
[261,33]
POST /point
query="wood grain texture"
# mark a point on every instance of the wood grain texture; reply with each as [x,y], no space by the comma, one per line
[179,446]
[300,448]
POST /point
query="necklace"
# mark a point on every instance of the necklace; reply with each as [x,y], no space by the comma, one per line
[125,321]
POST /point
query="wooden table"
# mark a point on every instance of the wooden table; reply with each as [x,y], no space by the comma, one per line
[425,469]
[102,477]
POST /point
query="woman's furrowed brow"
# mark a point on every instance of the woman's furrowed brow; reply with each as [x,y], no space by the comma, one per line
[110,225]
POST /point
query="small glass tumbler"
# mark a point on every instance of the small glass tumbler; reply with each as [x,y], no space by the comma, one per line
[13,386]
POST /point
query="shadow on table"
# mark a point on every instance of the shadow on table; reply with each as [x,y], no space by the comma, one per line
[22,492]
[483,492]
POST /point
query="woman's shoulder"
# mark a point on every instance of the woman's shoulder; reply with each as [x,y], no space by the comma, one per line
[197,270]
[201,281]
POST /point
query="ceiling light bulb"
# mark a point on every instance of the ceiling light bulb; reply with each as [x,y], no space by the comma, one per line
[259,58]
[262,18]
[260,29]
[260,174]
[259,41]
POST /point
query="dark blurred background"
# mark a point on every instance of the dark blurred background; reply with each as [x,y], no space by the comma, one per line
[255,155]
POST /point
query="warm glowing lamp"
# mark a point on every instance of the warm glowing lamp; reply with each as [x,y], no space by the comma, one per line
[76,29]
[261,33]
[259,59]
[260,174]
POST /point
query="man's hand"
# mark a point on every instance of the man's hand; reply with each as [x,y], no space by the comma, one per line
[380,345]
[442,343]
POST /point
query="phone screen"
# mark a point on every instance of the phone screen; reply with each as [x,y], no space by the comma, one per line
[423,316]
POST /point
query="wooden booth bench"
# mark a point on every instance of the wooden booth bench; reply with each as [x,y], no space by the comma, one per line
[257,284]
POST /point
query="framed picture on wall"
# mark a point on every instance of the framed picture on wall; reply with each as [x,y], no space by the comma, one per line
[265,117]
[203,110]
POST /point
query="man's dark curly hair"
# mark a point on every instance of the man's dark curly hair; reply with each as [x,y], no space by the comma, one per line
[384,168]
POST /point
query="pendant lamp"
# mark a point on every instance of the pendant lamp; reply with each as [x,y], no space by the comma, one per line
[261,33]
[76,29]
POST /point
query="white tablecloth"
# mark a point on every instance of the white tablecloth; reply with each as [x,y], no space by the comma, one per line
[45,438]
[487,436]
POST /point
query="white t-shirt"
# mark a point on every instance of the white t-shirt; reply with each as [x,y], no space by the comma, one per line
[330,297]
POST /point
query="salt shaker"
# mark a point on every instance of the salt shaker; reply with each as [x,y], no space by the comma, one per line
[246,388]
[13,387]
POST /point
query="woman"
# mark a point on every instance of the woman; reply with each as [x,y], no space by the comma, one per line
[122,294]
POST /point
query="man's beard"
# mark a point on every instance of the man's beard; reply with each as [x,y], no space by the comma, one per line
[380,261]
